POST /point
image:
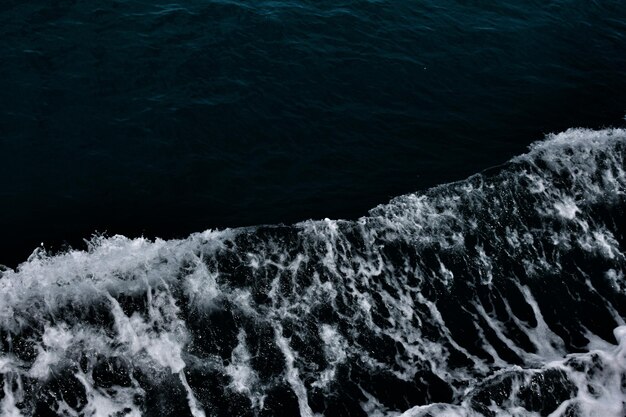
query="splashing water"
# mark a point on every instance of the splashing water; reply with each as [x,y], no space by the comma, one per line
[499,295]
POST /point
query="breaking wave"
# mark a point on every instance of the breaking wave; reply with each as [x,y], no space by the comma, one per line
[499,295]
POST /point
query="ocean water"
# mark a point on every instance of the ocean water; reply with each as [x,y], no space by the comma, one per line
[163,119]
[499,295]
[295,208]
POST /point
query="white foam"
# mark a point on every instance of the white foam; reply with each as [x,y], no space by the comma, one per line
[243,377]
[201,287]
[292,374]
[566,208]
[335,352]
[8,406]
[194,407]
[56,341]
[359,275]
[137,335]
[110,402]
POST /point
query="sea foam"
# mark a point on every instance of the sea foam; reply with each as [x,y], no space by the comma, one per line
[498,295]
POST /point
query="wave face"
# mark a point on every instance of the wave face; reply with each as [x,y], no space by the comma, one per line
[499,295]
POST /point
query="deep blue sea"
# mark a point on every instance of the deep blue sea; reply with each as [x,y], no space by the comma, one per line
[161,119]
[359,208]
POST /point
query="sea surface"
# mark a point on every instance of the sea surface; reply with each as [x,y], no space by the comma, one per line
[313,208]
[163,119]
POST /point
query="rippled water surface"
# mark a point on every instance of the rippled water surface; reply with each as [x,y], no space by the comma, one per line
[168,118]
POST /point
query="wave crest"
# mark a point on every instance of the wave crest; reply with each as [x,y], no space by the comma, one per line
[495,295]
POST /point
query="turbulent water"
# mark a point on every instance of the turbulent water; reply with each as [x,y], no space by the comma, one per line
[499,295]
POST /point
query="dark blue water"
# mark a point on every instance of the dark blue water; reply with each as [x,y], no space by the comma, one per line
[160,118]
[492,284]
